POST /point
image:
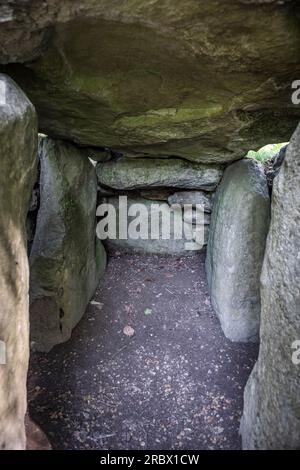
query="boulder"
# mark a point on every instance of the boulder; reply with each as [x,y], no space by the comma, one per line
[271,418]
[238,231]
[146,243]
[66,259]
[194,79]
[18,155]
[141,173]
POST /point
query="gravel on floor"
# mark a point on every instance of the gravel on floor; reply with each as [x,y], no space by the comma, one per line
[148,366]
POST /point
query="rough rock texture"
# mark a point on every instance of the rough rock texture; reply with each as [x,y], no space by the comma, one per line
[152,173]
[66,260]
[238,231]
[272,166]
[197,79]
[158,245]
[157,194]
[271,418]
[192,197]
[18,156]
[191,216]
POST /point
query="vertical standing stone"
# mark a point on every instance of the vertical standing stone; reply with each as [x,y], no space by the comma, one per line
[236,246]
[67,259]
[271,418]
[18,156]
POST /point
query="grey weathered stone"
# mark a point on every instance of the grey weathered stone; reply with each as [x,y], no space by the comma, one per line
[157,194]
[105,192]
[34,201]
[190,216]
[271,418]
[141,173]
[238,231]
[195,79]
[171,246]
[192,197]
[272,166]
[18,156]
[66,260]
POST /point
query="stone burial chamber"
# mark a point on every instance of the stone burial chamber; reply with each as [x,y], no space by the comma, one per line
[158,102]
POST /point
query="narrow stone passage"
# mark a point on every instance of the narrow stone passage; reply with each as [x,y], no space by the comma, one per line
[176,383]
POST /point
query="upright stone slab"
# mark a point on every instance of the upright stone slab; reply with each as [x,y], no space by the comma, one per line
[271,418]
[66,260]
[236,246]
[18,157]
[192,197]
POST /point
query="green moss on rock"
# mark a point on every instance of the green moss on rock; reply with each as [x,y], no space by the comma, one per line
[66,260]
[193,79]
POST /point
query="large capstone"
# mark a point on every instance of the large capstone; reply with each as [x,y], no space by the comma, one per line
[67,259]
[18,155]
[238,231]
[271,418]
[196,79]
[137,173]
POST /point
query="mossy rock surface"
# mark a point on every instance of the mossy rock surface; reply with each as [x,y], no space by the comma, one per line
[203,80]
[66,260]
[147,173]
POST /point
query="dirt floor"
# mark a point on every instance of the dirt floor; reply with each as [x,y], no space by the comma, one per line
[176,383]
